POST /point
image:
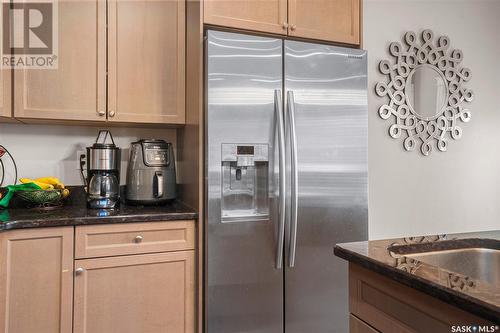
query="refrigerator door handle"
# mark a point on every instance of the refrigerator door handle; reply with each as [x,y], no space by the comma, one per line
[294,179]
[280,121]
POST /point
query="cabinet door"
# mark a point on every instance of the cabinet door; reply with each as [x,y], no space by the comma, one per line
[5,86]
[36,280]
[146,61]
[5,97]
[330,20]
[76,90]
[150,293]
[263,15]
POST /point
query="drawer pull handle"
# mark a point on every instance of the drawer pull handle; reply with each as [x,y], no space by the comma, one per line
[79,271]
[138,239]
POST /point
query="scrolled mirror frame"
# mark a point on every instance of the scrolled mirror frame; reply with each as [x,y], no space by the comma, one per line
[415,128]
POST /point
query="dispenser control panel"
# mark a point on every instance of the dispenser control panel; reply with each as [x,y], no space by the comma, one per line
[244,154]
[245,186]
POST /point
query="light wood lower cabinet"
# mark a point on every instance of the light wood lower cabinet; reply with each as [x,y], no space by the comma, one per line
[379,304]
[36,280]
[149,293]
[44,290]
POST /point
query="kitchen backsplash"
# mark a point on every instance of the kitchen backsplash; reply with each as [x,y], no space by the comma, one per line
[44,150]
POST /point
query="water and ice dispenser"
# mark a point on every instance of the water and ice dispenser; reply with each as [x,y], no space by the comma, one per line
[245,185]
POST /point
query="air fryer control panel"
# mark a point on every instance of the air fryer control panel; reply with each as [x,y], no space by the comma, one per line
[156,154]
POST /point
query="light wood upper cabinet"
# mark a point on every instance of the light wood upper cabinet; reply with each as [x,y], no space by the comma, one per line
[146,61]
[263,15]
[5,87]
[147,293]
[36,280]
[5,94]
[331,20]
[76,89]
[133,72]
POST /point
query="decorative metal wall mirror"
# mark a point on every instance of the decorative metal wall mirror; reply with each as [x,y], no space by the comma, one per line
[426,92]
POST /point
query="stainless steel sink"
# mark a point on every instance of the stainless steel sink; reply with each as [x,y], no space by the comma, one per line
[478,263]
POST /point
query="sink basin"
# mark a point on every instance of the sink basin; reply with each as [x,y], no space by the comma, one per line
[477,263]
[476,258]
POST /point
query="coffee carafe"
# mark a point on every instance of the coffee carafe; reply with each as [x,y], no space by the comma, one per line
[103,172]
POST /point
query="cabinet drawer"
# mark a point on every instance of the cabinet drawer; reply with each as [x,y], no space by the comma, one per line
[389,306]
[356,325]
[122,239]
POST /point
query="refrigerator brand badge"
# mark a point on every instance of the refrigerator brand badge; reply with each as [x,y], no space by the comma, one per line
[29,35]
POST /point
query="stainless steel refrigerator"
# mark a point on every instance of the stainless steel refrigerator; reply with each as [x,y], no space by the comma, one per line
[286,179]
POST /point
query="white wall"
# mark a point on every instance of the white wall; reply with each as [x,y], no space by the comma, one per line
[42,150]
[455,191]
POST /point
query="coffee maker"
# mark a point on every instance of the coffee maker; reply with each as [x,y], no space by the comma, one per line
[103,172]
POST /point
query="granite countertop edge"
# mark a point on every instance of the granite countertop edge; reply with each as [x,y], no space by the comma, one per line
[74,212]
[94,220]
[448,295]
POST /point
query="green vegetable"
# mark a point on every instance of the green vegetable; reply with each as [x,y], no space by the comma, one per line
[11,189]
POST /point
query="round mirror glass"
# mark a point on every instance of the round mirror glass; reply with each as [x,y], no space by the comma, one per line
[426,91]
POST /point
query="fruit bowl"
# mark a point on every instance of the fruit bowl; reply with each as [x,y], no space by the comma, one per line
[41,197]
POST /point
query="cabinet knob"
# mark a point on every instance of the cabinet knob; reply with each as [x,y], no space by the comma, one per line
[138,239]
[293,27]
[79,271]
[111,113]
[101,113]
[285,25]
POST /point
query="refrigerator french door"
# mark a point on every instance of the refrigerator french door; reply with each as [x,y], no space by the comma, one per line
[286,179]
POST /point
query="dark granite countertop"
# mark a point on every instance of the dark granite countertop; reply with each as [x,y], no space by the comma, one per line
[479,294]
[75,212]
